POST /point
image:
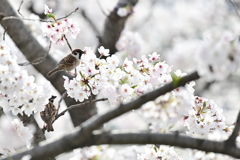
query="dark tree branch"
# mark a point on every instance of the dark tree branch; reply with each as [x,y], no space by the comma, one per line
[173,139]
[30,47]
[83,134]
[113,27]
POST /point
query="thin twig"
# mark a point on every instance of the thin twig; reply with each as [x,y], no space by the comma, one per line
[78,105]
[64,36]
[75,71]
[59,102]
[38,60]
[72,107]
[101,8]
[230,142]
[30,19]
[19,9]
[93,26]
[90,100]
[4,33]
[5,17]
[27,19]
[68,14]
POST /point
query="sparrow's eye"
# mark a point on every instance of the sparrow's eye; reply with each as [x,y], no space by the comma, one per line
[75,53]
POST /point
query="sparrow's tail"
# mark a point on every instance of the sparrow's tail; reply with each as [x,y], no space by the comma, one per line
[53,72]
[50,127]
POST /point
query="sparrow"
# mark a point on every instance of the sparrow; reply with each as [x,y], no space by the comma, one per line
[48,115]
[68,63]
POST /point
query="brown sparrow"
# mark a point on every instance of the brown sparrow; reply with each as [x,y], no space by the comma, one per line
[68,63]
[48,115]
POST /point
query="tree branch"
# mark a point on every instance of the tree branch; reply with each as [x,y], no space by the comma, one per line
[173,139]
[1,111]
[68,14]
[73,107]
[78,105]
[69,46]
[59,102]
[38,60]
[113,27]
[83,134]
[30,47]
[19,9]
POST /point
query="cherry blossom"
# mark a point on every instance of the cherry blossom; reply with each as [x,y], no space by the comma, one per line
[103,51]
[122,12]
[15,135]
[55,30]
[120,83]
[19,89]
[163,152]
[47,10]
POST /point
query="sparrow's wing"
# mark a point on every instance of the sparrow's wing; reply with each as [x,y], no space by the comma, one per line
[51,109]
[67,61]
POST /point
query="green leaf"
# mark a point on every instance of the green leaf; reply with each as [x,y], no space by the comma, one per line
[156,63]
[50,15]
[155,149]
[175,79]
[124,80]
[81,74]
[134,86]
[204,104]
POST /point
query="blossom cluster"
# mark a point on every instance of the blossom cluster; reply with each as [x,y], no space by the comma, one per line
[130,43]
[17,88]
[203,35]
[103,152]
[163,152]
[87,153]
[118,82]
[201,155]
[15,135]
[169,108]
[219,55]
[205,120]
[56,29]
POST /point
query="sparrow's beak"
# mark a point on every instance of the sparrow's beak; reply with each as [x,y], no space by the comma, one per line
[54,97]
[83,52]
